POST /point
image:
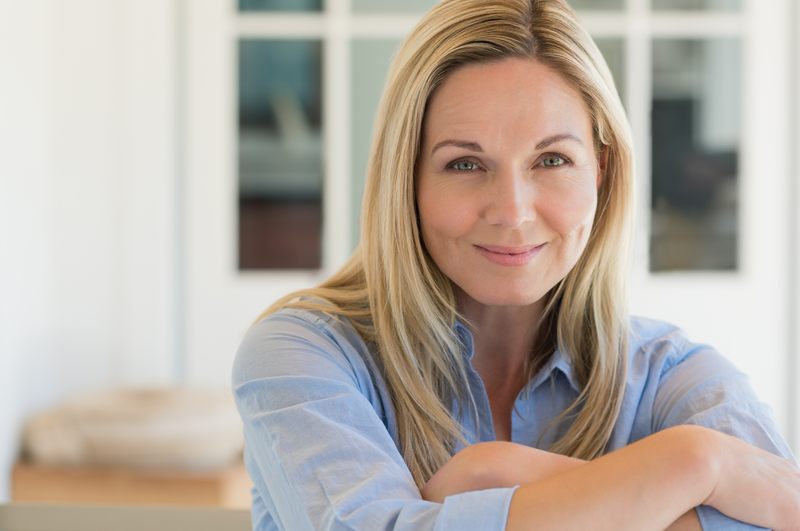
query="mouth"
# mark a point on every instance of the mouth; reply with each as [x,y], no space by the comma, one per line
[509,256]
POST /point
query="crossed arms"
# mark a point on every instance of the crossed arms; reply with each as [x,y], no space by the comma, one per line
[651,484]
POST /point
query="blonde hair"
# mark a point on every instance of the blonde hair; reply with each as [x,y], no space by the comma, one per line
[402,304]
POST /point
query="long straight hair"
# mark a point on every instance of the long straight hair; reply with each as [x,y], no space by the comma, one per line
[403,305]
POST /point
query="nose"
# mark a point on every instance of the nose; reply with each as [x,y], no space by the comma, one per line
[510,200]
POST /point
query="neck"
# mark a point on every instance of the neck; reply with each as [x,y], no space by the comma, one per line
[504,337]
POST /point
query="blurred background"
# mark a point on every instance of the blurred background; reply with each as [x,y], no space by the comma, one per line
[168,168]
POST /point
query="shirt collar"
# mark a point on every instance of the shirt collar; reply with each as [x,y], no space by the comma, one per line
[557,362]
[466,339]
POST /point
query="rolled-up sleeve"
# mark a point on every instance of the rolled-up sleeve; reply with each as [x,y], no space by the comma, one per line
[318,453]
[703,388]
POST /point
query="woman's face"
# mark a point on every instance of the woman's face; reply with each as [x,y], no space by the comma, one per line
[507,180]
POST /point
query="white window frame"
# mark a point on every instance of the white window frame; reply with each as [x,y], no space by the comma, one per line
[213,30]
[337,26]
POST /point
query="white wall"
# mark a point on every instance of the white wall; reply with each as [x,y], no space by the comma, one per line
[24,289]
[794,311]
[87,208]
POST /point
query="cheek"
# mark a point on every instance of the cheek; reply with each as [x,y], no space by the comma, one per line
[442,214]
[570,210]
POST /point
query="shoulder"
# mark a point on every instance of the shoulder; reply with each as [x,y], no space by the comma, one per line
[647,334]
[674,380]
[307,356]
[667,367]
[297,341]
[659,347]
[682,378]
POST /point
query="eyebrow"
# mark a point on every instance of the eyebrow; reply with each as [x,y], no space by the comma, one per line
[474,146]
[471,146]
[558,138]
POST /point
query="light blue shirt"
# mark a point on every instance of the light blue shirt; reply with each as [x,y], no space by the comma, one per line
[321,443]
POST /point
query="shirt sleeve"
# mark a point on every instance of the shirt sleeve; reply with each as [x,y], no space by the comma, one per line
[318,453]
[705,389]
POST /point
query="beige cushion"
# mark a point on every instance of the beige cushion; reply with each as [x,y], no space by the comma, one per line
[149,428]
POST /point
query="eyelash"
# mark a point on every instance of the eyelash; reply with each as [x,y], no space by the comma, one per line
[565,162]
[452,165]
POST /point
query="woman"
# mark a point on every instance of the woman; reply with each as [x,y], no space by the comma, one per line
[473,366]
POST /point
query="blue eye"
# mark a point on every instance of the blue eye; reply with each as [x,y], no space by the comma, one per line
[463,165]
[553,161]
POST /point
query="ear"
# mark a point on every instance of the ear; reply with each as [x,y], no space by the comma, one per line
[602,165]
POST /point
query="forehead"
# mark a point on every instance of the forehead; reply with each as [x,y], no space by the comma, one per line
[516,94]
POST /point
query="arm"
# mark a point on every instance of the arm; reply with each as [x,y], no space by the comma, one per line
[495,464]
[650,484]
[505,464]
[705,389]
[317,448]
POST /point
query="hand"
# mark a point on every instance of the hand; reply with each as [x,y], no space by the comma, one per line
[755,486]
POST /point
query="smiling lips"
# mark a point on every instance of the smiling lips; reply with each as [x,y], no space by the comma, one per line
[509,256]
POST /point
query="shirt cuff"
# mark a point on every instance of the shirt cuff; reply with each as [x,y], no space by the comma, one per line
[480,509]
[713,520]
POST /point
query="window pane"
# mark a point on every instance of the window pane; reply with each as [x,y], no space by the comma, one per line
[371,59]
[393,6]
[721,5]
[280,5]
[613,49]
[280,154]
[596,5]
[695,154]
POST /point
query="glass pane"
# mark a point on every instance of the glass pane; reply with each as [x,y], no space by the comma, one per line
[280,5]
[371,59]
[280,154]
[613,49]
[393,6]
[596,5]
[673,5]
[695,154]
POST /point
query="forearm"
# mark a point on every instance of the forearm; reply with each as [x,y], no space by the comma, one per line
[647,485]
[495,464]
[504,464]
[523,465]
[688,522]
